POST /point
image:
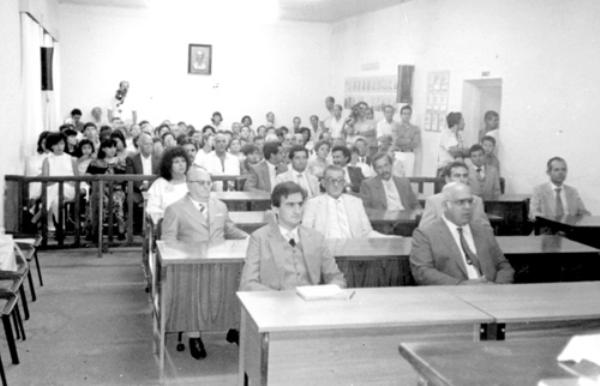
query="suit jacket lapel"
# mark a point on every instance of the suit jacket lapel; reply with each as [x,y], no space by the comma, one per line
[265,174]
[193,211]
[480,246]
[277,244]
[380,192]
[448,240]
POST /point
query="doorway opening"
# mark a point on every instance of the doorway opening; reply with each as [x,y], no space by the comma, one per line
[479,96]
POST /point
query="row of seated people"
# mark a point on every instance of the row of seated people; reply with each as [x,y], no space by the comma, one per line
[454,243]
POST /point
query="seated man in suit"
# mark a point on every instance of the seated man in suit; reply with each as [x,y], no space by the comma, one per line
[456,171]
[336,214]
[352,175]
[197,217]
[456,249]
[261,177]
[385,191]
[298,173]
[555,198]
[142,163]
[484,180]
[285,254]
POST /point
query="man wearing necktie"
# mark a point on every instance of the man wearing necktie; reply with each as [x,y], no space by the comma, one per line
[298,173]
[456,249]
[285,254]
[196,218]
[556,199]
[484,180]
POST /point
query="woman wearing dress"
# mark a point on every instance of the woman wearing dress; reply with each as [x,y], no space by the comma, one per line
[171,185]
[108,163]
[58,163]
[33,166]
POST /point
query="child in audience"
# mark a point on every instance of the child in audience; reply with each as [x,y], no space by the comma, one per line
[489,145]
[86,149]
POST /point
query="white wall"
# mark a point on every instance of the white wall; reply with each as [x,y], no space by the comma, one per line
[546,53]
[256,67]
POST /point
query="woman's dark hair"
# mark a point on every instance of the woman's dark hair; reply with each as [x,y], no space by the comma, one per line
[246,117]
[321,143]
[166,162]
[208,127]
[162,137]
[117,134]
[305,130]
[54,138]
[82,143]
[41,138]
[105,144]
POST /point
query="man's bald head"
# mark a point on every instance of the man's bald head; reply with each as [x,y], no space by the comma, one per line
[458,203]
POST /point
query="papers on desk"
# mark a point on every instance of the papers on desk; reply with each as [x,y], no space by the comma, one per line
[323,292]
[584,350]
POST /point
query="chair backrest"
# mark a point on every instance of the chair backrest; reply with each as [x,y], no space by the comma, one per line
[8,253]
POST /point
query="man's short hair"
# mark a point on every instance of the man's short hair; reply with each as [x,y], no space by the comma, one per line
[270,148]
[549,163]
[249,149]
[360,139]
[207,128]
[388,106]
[406,107]
[488,138]
[344,150]
[381,155]
[330,98]
[76,112]
[296,148]
[90,124]
[284,190]
[452,165]
[490,114]
[453,118]
[474,148]
[217,114]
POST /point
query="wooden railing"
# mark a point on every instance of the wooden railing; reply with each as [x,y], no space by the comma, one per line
[17,201]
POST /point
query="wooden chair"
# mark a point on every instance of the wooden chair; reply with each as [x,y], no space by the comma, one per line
[9,307]
[18,278]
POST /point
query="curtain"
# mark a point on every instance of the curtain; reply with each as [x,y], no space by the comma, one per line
[50,102]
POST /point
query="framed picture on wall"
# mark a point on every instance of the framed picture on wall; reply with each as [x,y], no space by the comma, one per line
[199,59]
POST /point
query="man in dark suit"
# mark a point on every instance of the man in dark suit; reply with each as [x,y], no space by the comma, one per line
[142,163]
[285,254]
[455,249]
[197,217]
[261,177]
[353,175]
[385,191]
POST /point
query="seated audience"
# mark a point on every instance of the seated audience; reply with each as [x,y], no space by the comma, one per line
[205,150]
[90,132]
[385,191]
[352,175]
[555,198]
[168,140]
[319,162]
[483,179]
[235,149]
[298,173]
[489,146]
[171,185]
[457,249]
[261,177]
[219,162]
[251,157]
[455,172]
[285,254]
[336,214]
[71,142]
[86,149]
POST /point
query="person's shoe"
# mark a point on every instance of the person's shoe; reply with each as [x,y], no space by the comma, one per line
[197,348]
[233,336]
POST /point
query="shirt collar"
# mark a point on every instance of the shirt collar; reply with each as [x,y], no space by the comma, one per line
[287,234]
[455,227]
[554,186]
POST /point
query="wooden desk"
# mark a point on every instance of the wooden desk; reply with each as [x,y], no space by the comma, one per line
[285,339]
[536,309]
[581,228]
[250,221]
[514,209]
[516,362]
[400,222]
[244,201]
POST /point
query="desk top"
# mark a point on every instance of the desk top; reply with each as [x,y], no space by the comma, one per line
[514,362]
[369,307]
[502,198]
[574,221]
[541,245]
[392,216]
[534,302]
[242,196]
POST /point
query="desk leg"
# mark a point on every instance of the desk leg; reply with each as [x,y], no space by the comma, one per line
[254,353]
[492,331]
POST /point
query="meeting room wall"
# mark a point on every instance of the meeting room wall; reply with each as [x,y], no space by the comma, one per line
[256,67]
[545,52]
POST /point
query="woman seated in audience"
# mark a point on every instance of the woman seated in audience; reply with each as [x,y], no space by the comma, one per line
[86,149]
[318,164]
[33,166]
[190,149]
[251,157]
[121,147]
[108,163]
[247,123]
[171,185]
[235,148]
[306,141]
[207,147]
[168,140]
[365,126]
[58,163]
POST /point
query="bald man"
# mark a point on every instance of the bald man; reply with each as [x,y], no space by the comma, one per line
[455,249]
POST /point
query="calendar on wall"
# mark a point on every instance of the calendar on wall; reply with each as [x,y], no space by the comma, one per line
[436,108]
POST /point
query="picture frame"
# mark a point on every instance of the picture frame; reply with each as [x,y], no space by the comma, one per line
[200,59]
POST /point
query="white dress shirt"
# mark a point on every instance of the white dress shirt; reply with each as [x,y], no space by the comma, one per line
[229,166]
[338,226]
[335,127]
[300,179]
[384,128]
[471,270]
[289,235]
[272,174]
[563,196]
[394,202]
[146,165]
[448,139]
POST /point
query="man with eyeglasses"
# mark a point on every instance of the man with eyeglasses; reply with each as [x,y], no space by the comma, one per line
[457,171]
[455,249]
[197,217]
[336,214]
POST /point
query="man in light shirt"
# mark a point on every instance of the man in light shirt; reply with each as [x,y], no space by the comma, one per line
[298,156]
[455,249]
[451,144]
[387,125]
[336,123]
[219,162]
[261,177]
[336,214]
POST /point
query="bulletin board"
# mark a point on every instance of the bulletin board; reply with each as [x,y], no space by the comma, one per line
[436,108]
[376,91]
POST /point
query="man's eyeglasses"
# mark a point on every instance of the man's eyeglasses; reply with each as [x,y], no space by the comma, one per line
[463,202]
[201,182]
[336,181]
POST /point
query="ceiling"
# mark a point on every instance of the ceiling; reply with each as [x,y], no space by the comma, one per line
[300,10]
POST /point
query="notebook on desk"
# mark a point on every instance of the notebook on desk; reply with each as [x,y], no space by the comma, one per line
[323,292]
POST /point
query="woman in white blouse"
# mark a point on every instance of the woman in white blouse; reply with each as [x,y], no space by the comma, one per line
[171,185]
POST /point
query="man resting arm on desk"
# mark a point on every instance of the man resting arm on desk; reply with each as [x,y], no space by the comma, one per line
[455,249]
[284,254]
